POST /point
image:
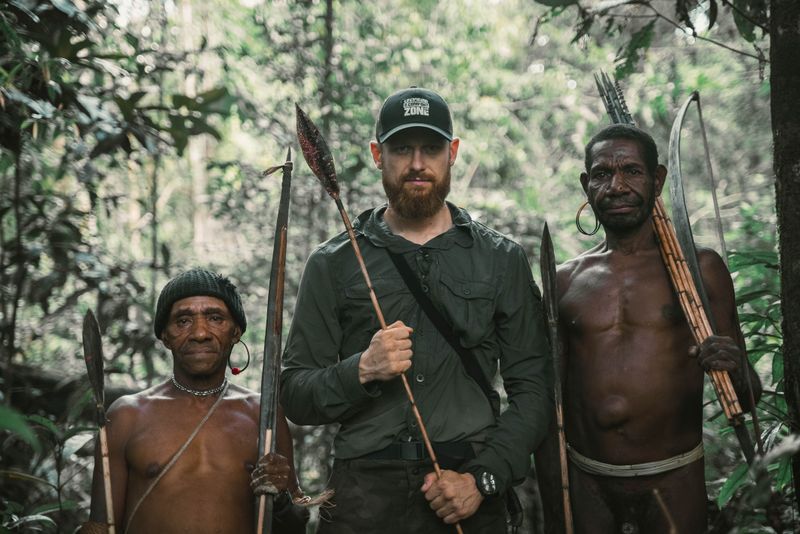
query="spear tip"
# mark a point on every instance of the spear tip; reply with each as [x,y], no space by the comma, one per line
[316,152]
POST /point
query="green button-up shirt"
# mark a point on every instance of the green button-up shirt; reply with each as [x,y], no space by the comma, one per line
[481,282]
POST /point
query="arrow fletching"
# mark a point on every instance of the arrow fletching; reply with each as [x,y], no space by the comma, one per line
[93,356]
[316,152]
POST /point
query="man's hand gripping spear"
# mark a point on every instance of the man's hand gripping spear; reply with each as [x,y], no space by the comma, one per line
[320,160]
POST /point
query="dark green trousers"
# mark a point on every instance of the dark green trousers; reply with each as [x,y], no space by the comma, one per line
[384,497]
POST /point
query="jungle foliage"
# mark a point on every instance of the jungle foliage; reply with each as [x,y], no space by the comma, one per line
[133,136]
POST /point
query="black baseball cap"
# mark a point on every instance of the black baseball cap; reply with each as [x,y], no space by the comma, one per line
[414,107]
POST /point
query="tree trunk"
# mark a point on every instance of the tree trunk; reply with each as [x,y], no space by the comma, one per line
[785,94]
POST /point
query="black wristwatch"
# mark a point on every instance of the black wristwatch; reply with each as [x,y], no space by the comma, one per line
[486,482]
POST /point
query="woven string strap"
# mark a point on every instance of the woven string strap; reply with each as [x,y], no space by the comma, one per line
[594,467]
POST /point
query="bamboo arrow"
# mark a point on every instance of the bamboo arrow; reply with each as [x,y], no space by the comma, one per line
[93,356]
[320,160]
[272,342]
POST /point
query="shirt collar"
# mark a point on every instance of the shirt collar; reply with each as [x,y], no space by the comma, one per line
[372,225]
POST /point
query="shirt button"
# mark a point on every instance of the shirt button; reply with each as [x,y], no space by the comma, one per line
[467,291]
[420,378]
[425,288]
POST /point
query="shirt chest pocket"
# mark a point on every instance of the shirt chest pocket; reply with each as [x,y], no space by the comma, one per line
[469,307]
[359,311]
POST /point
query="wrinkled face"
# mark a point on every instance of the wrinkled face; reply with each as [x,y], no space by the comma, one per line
[618,185]
[200,332]
[415,166]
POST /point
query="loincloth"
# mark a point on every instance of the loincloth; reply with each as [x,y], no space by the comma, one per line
[594,467]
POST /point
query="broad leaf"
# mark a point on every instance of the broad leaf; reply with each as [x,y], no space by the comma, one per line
[736,480]
[15,423]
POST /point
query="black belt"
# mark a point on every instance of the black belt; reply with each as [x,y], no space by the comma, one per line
[416,450]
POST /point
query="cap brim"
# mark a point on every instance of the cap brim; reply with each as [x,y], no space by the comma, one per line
[393,131]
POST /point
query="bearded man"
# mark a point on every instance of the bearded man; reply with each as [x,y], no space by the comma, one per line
[632,376]
[341,367]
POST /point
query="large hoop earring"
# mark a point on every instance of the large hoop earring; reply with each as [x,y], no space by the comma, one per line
[578,220]
[237,370]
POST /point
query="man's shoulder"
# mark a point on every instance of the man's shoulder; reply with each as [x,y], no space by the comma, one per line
[332,247]
[241,393]
[137,401]
[488,236]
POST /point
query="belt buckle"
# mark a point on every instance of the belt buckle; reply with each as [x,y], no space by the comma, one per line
[412,450]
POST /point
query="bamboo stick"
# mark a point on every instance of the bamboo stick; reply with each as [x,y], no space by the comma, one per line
[690,302]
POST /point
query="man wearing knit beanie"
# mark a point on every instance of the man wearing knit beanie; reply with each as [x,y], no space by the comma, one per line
[182,452]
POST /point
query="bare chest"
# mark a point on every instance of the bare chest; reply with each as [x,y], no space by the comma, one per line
[620,297]
[226,442]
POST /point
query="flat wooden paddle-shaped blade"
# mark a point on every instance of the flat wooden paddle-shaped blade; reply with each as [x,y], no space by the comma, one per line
[93,356]
[316,152]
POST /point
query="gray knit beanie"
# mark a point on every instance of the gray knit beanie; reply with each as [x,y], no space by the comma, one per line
[195,283]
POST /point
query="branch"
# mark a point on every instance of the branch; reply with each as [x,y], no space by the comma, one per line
[657,14]
[745,16]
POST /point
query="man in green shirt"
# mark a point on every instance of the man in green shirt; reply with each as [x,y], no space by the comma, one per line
[340,367]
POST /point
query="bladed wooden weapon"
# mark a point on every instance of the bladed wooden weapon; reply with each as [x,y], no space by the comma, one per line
[320,160]
[93,356]
[272,342]
[686,279]
[547,267]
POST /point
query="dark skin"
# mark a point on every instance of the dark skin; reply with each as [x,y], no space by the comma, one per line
[208,488]
[632,376]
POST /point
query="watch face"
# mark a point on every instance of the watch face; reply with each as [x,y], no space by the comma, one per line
[488,483]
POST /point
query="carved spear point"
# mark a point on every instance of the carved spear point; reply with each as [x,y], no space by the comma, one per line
[316,152]
[93,356]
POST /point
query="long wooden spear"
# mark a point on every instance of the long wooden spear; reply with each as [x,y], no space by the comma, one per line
[320,160]
[93,356]
[547,267]
[272,342]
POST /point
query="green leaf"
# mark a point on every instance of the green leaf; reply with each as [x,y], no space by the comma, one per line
[19,475]
[736,480]
[40,108]
[751,296]
[629,56]
[37,518]
[712,13]
[777,368]
[743,23]
[47,424]
[49,508]
[14,422]
[24,8]
[784,475]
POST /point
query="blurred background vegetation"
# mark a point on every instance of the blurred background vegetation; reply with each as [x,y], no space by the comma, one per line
[134,134]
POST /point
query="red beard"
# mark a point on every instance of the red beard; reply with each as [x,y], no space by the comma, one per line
[417,203]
